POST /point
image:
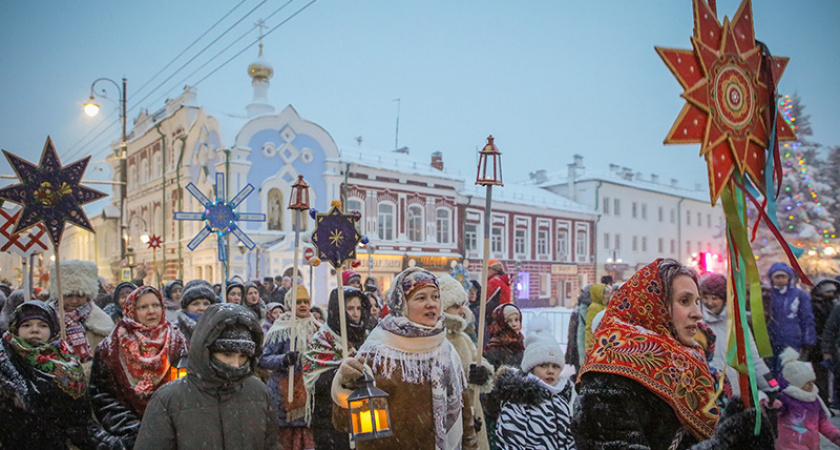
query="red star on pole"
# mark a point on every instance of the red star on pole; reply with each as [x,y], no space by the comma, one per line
[727,95]
[155,241]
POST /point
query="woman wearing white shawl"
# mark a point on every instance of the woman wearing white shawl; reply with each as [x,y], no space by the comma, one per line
[285,341]
[421,371]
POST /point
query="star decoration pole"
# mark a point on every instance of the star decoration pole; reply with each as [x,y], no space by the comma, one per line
[220,217]
[50,194]
[729,80]
[154,244]
[335,238]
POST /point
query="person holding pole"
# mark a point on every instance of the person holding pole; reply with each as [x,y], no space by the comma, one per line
[285,341]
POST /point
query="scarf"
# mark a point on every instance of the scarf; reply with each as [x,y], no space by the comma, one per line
[144,350]
[502,335]
[634,340]
[324,353]
[74,324]
[54,361]
[282,330]
[423,355]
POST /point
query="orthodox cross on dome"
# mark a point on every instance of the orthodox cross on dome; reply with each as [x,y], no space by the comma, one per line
[50,193]
[220,216]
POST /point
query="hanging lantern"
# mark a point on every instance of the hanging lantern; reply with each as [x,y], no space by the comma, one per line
[178,370]
[299,199]
[369,417]
[489,165]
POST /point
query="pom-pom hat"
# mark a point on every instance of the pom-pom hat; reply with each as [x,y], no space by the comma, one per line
[797,373]
[540,346]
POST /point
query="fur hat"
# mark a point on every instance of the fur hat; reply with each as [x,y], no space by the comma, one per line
[796,372]
[196,292]
[540,346]
[452,292]
[713,284]
[77,277]
[235,339]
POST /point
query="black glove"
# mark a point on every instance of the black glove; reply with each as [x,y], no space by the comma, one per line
[290,359]
[478,375]
[478,424]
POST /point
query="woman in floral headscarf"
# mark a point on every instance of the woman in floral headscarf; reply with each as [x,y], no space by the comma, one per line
[646,383]
[134,361]
[411,359]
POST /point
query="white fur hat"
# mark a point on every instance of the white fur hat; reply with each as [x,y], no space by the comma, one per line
[540,346]
[77,277]
[452,293]
[796,372]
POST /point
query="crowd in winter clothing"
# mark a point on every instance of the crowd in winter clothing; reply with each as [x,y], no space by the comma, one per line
[265,368]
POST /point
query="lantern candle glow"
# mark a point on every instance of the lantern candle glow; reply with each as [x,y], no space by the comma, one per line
[369,417]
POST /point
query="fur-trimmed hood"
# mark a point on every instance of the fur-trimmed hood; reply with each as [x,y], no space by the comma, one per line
[98,321]
[512,385]
[77,277]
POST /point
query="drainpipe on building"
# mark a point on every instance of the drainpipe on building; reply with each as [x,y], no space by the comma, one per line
[597,221]
[162,200]
[464,230]
[679,230]
[180,207]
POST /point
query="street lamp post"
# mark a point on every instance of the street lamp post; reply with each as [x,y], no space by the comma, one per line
[92,109]
[613,262]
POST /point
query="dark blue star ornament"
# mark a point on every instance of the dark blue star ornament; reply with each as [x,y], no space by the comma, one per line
[220,216]
[335,235]
[50,193]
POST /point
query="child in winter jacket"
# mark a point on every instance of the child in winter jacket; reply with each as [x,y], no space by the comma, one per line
[220,404]
[534,406]
[803,416]
[505,346]
[791,316]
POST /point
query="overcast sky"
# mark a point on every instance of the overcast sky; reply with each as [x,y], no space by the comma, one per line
[547,78]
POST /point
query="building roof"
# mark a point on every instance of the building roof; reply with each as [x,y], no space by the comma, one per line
[523,194]
[628,179]
[396,162]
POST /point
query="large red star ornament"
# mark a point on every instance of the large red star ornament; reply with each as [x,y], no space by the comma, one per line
[727,96]
[155,241]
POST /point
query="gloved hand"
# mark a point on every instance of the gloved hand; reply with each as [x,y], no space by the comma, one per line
[349,372]
[291,359]
[478,375]
[478,424]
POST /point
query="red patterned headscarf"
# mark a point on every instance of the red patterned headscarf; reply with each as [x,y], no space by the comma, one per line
[635,340]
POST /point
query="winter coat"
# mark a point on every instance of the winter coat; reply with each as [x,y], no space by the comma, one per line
[822,307]
[37,414]
[830,337]
[800,422]
[616,412]
[584,300]
[500,282]
[206,411]
[528,415]
[172,307]
[791,317]
[599,303]
[272,359]
[717,323]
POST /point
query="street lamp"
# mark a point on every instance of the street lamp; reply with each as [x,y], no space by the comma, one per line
[91,109]
[489,174]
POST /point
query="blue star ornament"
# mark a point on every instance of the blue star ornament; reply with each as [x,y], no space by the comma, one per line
[335,236]
[220,216]
[50,193]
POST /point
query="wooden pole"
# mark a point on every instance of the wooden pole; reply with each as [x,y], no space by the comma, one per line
[60,295]
[486,292]
[24,275]
[293,341]
[342,312]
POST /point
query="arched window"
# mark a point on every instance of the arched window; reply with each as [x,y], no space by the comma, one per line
[386,221]
[443,225]
[414,226]
[275,209]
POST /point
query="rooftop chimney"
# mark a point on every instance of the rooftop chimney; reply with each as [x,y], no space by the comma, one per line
[578,161]
[654,178]
[638,176]
[437,160]
[626,173]
[539,176]
[614,168]
[674,182]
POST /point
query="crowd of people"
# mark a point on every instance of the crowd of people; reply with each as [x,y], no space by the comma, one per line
[266,368]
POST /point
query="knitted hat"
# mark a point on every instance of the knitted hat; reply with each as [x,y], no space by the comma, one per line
[508,310]
[540,346]
[713,284]
[301,294]
[235,339]
[268,279]
[198,291]
[406,284]
[496,264]
[349,276]
[233,286]
[77,277]
[272,306]
[452,292]
[34,310]
[796,372]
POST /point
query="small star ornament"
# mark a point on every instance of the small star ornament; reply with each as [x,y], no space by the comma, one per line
[335,236]
[50,193]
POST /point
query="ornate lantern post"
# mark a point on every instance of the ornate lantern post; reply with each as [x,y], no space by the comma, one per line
[489,175]
[369,418]
[298,202]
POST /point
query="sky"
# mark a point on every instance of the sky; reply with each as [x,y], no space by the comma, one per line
[548,79]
